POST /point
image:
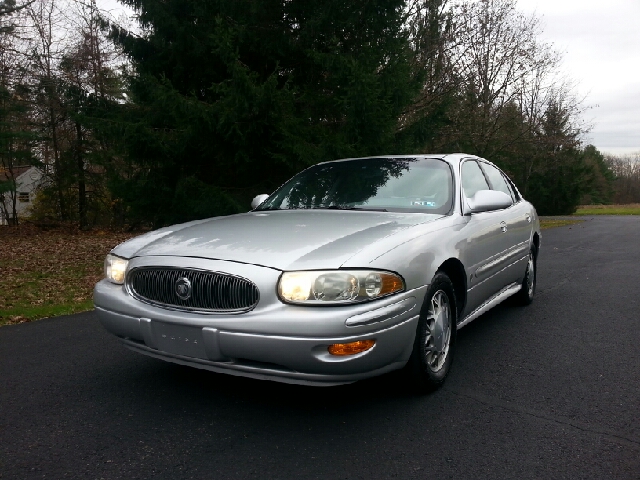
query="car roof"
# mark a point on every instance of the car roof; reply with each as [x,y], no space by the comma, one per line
[453,158]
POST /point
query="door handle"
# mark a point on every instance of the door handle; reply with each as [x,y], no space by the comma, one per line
[528,217]
[503,226]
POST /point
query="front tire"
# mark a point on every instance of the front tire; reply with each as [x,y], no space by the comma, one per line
[434,344]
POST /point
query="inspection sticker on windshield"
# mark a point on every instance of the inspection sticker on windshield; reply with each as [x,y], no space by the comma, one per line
[423,204]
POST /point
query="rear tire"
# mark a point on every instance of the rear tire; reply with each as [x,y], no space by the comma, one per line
[435,340]
[525,296]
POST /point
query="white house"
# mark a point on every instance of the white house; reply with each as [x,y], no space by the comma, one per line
[27,179]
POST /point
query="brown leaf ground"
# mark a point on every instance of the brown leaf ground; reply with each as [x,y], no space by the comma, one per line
[48,273]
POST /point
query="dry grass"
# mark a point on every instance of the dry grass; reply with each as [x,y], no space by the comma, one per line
[48,273]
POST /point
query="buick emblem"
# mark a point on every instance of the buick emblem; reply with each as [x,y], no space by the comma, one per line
[183,288]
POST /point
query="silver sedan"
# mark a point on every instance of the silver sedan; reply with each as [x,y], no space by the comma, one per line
[351,269]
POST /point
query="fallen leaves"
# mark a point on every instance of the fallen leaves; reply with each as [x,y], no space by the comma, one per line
[45,273]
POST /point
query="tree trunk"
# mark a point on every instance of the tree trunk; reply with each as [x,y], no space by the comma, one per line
[82,194]
[57,172]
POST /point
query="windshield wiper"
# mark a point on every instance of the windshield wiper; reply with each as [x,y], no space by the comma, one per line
[266,209]
[337,207]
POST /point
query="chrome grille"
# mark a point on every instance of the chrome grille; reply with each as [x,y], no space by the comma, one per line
[210,291]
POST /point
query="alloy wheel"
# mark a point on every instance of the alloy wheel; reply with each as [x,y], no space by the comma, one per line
[438,331]
[531,276]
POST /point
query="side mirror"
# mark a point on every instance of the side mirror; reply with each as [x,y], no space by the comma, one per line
[487,201]
[257,200]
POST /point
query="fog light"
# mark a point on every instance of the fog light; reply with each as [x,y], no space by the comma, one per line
[351,348]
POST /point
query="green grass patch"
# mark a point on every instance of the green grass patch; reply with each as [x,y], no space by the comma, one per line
[26,313]
[632,209]
[552,223]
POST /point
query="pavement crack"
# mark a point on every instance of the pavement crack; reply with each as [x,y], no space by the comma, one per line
[587,428]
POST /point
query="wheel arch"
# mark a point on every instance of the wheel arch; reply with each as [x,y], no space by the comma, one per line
[456,272]
[536,242]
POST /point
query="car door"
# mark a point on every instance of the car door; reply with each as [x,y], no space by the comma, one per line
[482,241]
[516,228]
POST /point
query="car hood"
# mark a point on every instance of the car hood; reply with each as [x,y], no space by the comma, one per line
[285,239]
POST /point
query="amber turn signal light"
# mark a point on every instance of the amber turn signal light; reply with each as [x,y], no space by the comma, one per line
[342,349]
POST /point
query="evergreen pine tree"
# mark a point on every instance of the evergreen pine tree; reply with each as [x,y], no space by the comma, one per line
[230,98]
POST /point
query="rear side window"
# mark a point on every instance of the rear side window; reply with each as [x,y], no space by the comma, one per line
[497,180]
[472,179]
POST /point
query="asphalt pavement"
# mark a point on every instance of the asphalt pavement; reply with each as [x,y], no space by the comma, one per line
[546,391]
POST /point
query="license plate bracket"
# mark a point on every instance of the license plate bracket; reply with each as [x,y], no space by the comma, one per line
[179,339]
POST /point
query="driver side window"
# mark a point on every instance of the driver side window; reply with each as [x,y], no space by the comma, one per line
[472,179]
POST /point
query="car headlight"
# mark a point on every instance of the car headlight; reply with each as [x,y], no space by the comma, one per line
[333,287]
[114,268]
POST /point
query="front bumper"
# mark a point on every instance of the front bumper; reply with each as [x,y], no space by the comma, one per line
[286,359]
[275,341]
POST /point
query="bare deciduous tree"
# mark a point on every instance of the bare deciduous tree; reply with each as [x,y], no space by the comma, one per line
[7,9]
[626,169]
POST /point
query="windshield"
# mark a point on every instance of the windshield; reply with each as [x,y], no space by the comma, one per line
[387,184]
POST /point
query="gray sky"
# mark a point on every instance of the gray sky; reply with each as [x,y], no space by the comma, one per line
[600,44]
